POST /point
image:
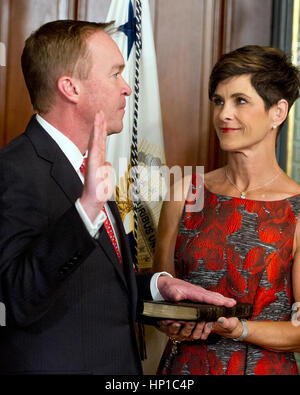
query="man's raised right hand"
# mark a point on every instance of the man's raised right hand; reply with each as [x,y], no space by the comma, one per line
[98,185]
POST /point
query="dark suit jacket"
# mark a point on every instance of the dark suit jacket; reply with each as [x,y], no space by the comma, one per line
[70,308]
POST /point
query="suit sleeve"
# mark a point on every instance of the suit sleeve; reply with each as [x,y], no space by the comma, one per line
[143,285]
[38,253]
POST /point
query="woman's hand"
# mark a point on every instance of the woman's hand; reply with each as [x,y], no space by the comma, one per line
[182,330]
[231,328]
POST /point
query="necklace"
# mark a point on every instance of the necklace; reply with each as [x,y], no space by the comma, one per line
[243,193]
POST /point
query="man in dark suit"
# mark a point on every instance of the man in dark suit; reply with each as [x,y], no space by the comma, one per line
[66,279]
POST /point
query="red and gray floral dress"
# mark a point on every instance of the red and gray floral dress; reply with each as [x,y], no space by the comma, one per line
[243,249]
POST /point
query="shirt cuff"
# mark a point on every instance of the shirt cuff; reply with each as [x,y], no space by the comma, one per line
[92,227]
[153,285]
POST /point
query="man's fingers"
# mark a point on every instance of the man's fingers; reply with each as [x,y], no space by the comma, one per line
[105,182]
[176,290]
[97,146]
[101,128]
[199,293]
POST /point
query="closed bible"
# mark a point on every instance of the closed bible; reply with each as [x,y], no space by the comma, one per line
[191,311]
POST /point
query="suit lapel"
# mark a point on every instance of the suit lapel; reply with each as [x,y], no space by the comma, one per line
[62,171]
[66,177]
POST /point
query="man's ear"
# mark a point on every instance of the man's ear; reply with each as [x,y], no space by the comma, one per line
[279,112]
[69,88]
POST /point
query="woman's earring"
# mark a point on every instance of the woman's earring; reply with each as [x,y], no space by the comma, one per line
[274,126]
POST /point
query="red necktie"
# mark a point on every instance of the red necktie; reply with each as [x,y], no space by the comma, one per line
[107,224]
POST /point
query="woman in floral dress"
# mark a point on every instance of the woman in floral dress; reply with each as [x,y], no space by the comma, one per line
[245,240]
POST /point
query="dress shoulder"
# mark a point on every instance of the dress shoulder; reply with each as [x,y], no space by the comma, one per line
[295,205]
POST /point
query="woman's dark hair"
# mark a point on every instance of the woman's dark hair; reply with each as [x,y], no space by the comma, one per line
[273,75]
